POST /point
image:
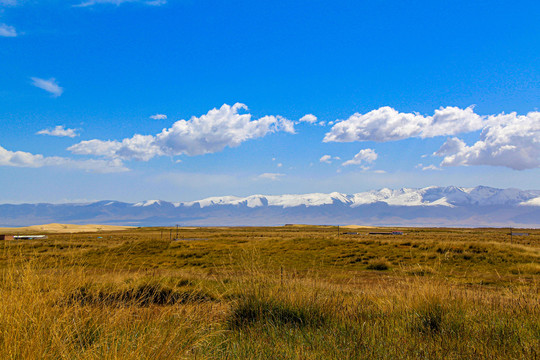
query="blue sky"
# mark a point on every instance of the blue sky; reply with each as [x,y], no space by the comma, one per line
[133,100]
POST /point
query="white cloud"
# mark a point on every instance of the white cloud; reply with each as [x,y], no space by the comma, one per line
[270,176]
[309,118]
[159,117]
[282,124]
[8,2]
[7,31]
[279,165]
[363,156]
[120,2]
[209,133]
[59,131]
[326,159]
[387,124]
[508,140]
[49,85]
[453,120]
[26,159]
[430,167]
[138,147]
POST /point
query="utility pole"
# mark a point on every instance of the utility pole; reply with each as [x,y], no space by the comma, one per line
[338,232]
[176,231]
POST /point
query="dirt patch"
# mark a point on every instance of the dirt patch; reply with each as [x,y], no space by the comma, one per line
[357,227]
[66,228]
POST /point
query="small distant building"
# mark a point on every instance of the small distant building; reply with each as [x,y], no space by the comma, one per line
[29,237]
[386,233]
[350,233]
[7,237]
[519,234]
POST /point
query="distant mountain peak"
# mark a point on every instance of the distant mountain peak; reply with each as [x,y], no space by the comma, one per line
[148,203]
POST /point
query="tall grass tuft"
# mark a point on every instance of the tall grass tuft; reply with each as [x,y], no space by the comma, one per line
[378,264]
[276,312]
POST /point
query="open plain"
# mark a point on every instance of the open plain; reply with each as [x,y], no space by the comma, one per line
[292,292]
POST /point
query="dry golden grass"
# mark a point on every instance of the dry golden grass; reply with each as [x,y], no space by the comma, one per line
[269,293]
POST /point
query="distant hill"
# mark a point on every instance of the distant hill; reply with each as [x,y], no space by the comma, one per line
[430,206]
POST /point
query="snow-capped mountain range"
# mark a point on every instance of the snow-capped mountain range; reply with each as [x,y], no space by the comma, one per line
[430,196]
[430,206]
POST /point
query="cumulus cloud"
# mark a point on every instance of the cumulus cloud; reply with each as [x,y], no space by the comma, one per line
[387,124]
[59,131]
[270,176]
[120,2]
[7,31]
[49,85]
[508,140]
[363,156]
[138,147]
[309,118]
[26,159]
[209,133]
[159,117]
[326,159]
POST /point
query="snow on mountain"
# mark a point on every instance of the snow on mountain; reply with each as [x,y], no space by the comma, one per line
[532,202]
[148,203]
[485,196]
[216,200]
[315,199]
[401,197]
[450,196]
[284,201]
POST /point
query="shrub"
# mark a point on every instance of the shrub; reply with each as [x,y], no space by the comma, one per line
[420,271]
[141,295]
[428,318]
[378,264]
[253,309]
[529,269]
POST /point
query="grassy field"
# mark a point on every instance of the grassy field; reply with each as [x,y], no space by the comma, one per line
[271,293]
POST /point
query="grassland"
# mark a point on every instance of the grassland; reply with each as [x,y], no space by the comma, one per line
[271,293]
